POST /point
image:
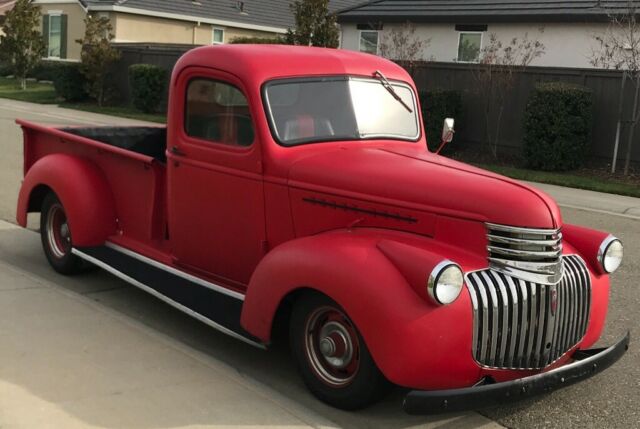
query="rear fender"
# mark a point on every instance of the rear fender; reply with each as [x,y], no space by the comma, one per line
[408,337]
[82,189]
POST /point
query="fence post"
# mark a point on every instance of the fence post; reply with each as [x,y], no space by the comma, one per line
[617,141]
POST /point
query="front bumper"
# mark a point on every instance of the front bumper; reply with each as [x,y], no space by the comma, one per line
[587,363]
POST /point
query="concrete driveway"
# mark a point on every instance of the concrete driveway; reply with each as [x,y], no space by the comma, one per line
[91,351]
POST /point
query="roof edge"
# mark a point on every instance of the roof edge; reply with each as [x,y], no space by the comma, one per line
[477,18]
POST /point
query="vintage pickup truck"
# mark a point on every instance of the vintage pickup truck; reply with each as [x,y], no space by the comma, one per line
[293,187]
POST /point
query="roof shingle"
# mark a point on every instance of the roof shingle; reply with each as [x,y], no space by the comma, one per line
[484,10]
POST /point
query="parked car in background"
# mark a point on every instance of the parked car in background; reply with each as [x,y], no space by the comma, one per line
[293,186]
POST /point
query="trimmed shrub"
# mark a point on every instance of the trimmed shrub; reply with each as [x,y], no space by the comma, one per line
[46,70]
[557,126]
[6,69]
[69,82]
[438,105]
[148,84]
[258,40]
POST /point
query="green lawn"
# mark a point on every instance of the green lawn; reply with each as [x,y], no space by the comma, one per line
[36,92]
[567,179]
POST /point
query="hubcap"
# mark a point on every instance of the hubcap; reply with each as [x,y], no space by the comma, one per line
[58,234]
[332,346]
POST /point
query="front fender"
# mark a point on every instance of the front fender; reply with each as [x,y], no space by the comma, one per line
[410,339]
[82,189]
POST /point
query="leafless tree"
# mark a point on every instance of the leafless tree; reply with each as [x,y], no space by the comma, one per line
[401,44]
[494,76]
[619,49]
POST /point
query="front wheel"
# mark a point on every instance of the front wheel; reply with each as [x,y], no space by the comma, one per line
[56,237]
[331,355]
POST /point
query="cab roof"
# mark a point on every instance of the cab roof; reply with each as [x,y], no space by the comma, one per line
[255,64]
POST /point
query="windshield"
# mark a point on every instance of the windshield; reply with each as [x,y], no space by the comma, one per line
[340,108]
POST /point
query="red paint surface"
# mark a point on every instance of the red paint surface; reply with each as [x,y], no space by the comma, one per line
[243,216]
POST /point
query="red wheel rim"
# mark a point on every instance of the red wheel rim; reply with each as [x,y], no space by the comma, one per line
[332,346]
[58,234]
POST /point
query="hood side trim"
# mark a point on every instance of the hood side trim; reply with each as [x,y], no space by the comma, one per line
[370,212]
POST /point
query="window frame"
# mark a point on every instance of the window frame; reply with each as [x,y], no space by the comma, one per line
[271,120]
[377,41]
[50,14]
[460,33]
[213,35]
[213,144]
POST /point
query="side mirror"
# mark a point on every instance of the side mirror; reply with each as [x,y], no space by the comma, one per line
[447,133]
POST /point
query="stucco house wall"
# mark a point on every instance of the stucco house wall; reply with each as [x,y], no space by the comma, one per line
[75,25]
[137,28]
[566,44]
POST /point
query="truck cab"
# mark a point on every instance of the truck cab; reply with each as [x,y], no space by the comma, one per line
[293,185]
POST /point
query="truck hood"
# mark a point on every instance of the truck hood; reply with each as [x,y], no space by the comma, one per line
[418,180]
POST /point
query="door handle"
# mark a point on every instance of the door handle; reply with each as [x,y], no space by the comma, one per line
[176,151]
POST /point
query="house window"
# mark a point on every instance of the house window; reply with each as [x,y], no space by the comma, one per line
[217,112]
[369,41]
[54,31]
[218,36]
[469,45]
[55,36]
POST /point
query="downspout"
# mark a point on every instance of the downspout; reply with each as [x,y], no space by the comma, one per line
[193,39]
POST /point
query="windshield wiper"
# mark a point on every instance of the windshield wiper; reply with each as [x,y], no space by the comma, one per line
[385,83]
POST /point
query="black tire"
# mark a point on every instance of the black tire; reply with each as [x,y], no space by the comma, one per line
[357,384]
[56,237]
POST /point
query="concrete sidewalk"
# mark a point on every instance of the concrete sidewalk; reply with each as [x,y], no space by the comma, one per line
[599,202]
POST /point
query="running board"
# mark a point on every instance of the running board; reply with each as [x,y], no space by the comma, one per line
[214,305]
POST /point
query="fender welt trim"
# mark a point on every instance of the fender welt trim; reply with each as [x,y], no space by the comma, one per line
[95,256]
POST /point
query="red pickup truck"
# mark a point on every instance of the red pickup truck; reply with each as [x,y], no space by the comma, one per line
[293,187]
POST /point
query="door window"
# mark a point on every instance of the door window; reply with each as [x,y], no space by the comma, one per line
[218,112]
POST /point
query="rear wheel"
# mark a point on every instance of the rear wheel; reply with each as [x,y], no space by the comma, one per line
[56,236]
[331,355]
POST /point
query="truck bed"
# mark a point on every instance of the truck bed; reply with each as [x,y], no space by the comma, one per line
[131,159]
[150,141]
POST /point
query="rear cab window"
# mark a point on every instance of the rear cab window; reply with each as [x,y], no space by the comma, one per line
[217,112]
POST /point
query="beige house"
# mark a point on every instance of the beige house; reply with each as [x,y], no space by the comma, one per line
[198,22]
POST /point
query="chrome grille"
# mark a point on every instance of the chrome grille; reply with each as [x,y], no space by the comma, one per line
[526,253]
[523,325]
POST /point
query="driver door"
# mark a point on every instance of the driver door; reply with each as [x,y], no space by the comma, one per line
[216,200]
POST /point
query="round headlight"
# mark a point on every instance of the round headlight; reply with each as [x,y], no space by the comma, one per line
[610,254]
[445,282]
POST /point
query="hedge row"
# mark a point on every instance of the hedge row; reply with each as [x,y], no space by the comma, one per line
[70,83]
[258,40]
[557,126]
[436,107]
[148,85]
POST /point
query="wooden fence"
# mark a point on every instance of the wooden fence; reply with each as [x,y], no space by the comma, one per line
[605,85]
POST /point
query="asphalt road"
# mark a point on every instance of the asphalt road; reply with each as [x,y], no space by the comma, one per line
[115,334]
